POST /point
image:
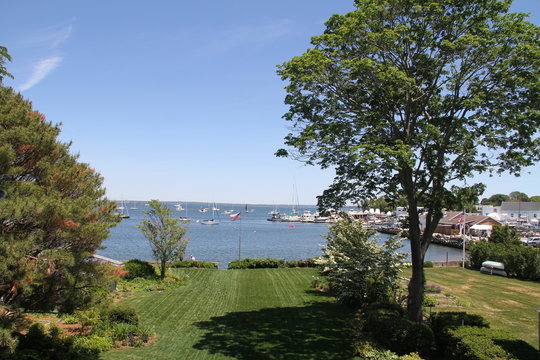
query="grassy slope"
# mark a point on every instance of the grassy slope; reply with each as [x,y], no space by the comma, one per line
[243,314]
[508,304]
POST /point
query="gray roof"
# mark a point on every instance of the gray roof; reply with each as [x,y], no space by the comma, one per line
[520,206]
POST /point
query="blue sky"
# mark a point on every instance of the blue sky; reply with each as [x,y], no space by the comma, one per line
[176,100]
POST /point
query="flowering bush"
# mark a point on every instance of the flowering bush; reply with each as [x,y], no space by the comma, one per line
[358,269]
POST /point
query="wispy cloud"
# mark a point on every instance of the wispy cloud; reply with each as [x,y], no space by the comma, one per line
[248,35]
[50,37]
[46,47]
[40,71]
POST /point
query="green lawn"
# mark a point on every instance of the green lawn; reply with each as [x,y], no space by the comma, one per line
[506,303]
[243,314]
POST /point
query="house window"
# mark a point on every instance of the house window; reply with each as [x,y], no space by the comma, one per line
[512,215]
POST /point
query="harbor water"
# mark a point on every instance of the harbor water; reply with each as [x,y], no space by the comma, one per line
[251,236]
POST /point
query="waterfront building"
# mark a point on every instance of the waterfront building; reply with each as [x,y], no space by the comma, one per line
[516,212]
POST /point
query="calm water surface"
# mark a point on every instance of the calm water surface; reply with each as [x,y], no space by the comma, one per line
[253,235]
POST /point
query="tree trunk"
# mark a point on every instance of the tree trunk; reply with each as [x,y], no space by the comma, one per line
[163,269]
[416,283]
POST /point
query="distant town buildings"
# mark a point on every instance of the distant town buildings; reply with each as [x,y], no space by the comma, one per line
[514,212]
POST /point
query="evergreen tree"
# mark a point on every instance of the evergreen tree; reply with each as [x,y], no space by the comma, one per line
[53,217]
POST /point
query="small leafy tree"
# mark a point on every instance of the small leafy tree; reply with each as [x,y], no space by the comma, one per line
[360,270]
[165,234]
[504,235]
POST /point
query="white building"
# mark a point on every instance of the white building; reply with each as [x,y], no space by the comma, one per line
[515,212]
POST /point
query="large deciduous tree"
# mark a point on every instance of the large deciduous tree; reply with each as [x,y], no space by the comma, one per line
[53,218]
[406,96]
[165,234]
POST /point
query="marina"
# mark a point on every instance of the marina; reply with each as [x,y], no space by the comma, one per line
[257,237]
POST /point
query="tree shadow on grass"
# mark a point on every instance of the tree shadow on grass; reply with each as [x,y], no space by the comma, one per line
[317,331]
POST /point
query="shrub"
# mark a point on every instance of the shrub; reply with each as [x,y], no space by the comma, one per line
[392,331]
[478,343]
[443,322]
[248,263]
[7,341]
[88,317]
[519,261]
[91,345]
[137,268]
[121,313]
[69,319]
[358,269]
[292,263]
[429,301]
[428,264]
[193,264]
[310,262]
[432,288]
[367,350]
[504,235]
[35,338]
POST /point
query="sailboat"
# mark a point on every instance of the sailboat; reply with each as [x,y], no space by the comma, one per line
[134,206]
[248,210]
[123,211]
[183,218]
[211,221]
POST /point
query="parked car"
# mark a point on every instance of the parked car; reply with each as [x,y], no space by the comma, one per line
[534,242]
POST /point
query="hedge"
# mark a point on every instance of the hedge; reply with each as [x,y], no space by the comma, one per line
[520,261]
[193,264]
[249,263]
[480,343]
[443,322]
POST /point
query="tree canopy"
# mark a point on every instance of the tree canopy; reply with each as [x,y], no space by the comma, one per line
[407,96]
[4,56]
[518,195]
[495,200]
[53,218]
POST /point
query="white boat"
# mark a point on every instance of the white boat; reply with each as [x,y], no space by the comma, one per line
[211,221]
[123,211]
[203,210]
[493,268]
[228,212]
[178,207]
[134,206]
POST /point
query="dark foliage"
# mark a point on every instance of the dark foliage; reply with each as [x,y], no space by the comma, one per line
[519,261]
[249,263]
[388,327]
[193,264]
[138,268]
[480,343]
[122,313]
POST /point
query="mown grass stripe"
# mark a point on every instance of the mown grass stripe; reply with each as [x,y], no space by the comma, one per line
[242,314]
